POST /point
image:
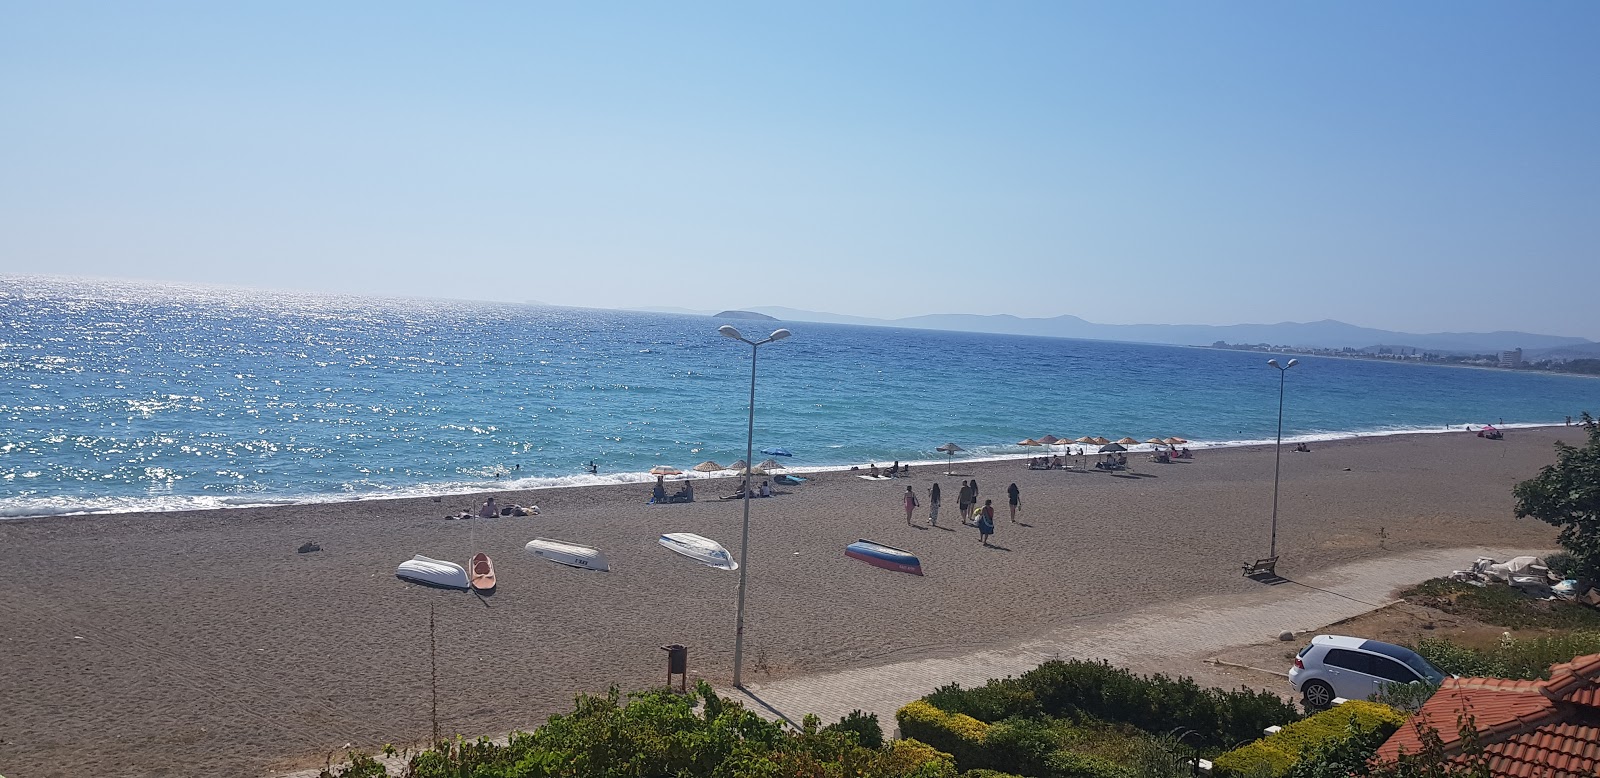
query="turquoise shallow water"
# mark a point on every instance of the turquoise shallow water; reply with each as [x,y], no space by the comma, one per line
[122,396]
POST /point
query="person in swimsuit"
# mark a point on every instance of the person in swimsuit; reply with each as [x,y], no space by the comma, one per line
[910,504]
[1015,495]
[986,521]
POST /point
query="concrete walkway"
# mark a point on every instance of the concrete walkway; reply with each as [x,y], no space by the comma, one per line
[1172,638]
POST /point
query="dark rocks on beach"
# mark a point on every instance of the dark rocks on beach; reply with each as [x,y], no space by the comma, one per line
[309,547]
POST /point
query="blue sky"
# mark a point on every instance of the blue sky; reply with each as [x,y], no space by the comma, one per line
[1419,166]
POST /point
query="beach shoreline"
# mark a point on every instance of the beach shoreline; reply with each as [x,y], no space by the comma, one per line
[531,483]
[201,642]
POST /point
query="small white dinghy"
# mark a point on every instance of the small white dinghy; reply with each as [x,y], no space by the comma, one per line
[704,550]
[569,554]
[433,572]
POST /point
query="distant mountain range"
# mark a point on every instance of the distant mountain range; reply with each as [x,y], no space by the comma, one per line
[1327,333]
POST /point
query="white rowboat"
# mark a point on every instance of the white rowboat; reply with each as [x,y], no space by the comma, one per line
[433,572]
[569,554]
[706,551]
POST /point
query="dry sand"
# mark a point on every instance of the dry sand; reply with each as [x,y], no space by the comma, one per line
[203,644]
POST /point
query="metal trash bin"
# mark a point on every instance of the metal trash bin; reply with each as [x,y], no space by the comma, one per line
[677,663]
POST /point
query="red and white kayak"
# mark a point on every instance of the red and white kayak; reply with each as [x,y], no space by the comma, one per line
[482,572]
[886,557]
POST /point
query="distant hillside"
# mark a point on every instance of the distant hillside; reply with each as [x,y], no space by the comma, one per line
[1318,334]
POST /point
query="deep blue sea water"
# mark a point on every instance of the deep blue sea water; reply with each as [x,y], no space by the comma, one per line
[119,396]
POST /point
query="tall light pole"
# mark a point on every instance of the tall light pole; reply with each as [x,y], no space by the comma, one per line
[1277,464]
[749,454]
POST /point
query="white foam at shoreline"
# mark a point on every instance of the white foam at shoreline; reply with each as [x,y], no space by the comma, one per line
[23,508]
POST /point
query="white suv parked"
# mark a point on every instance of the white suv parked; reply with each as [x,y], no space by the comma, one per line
[1355,669]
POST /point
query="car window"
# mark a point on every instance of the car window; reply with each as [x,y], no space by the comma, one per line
[1390,670]
[1406,657]
[1348,660]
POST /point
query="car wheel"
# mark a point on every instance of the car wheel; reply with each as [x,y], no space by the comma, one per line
[1316,695]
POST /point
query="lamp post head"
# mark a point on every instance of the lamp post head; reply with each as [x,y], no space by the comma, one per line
[1272,362]
[779,335]
[728,331]
[1292,363]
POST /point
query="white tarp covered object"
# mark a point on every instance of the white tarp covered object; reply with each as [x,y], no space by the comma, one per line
[1519,567]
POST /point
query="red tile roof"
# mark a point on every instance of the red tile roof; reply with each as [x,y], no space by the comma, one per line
[1549,729]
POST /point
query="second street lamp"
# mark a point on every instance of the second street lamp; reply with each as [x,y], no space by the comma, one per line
[749,452]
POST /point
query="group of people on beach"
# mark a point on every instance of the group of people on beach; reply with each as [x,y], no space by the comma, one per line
[896,470]
[659,493]
[966,504]
[491,509]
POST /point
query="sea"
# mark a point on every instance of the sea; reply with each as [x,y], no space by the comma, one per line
[119,396]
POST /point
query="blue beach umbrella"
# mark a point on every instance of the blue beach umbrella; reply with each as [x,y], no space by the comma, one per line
[776,452]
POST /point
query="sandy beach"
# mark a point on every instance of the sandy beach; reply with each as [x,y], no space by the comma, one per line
[203,644]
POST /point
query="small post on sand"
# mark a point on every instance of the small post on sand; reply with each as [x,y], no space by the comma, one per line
[433,671]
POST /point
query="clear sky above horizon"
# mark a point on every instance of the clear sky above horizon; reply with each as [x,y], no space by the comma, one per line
[1423,166]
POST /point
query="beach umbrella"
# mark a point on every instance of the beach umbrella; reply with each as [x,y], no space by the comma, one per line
[1029,442]
[1157,441]
[1174,441]
[776,451]
[1085,439]
[1101,441]
[950,449]
[1049,440]
[770,464]
[708,466]
[1111,447]
[739,465]
[1128,442]
[665,470]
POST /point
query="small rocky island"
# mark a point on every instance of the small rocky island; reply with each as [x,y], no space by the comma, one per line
[744,315]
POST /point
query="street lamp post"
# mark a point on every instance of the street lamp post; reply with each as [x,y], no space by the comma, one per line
[749,454]
[1277,464]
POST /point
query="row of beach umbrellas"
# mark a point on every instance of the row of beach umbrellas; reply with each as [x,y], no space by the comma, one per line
[710,466]
[1051,440]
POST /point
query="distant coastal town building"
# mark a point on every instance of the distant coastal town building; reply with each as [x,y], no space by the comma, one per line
[1511,358]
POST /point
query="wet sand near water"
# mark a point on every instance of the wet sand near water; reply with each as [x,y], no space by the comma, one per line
[202,644]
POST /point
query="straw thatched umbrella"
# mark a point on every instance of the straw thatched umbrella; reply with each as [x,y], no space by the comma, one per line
[1101,441]
[950,449]
[1126,441]
[1085,439]
[1157,441]
[708,466]
[665,470]
[1174,441]
[739,465]
[1049,440]
[1029,442]
[770,464]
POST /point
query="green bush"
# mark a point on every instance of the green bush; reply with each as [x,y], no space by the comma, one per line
[660,733]
[1274,754]
[1514,659]
[956,734]
[868,731]
[982,773]
[1078,689]
[994,701]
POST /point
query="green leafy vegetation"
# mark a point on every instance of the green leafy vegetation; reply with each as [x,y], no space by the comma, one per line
[1511,658]
[1567,495]
[659,733]
[1096,691]
[1501,606]
[1275,755]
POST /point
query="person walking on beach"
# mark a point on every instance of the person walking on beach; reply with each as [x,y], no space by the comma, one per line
[964,503]
[911,504]
[1016,501]
[933,505]
[986,521]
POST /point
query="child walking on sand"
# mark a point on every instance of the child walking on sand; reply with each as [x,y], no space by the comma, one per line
[986,521]
[911,504]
